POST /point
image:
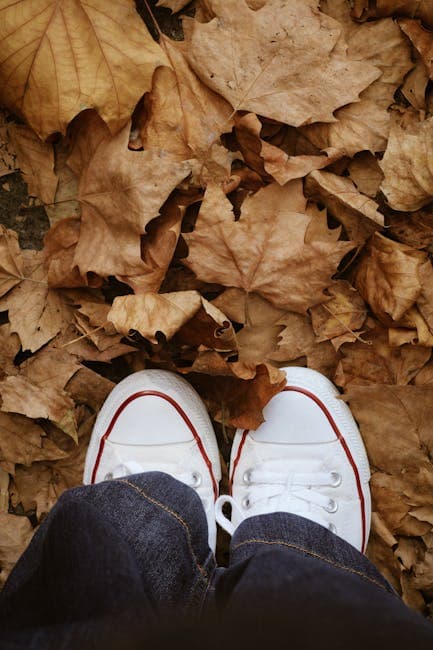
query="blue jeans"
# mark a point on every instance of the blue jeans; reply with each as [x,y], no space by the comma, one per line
[126,564]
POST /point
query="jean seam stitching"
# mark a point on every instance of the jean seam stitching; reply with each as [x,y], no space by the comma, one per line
[155,502]
[316,556]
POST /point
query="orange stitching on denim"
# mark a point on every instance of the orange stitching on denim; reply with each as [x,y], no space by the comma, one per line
[313,554]
[174,514]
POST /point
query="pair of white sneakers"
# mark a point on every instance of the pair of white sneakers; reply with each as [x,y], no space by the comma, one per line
[307,458]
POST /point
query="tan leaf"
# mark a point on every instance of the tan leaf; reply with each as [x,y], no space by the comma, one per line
[414,229]
[62,57]
[23,441]
[365,125]
[265,251]
[174,5]
[267,159]
[379,362]
[388,277]
[408,182]
[365,172]
[9,347]
[65,204]
[358,213]
[421,39]
[120,191]
[20,395]
[289,70]
[36,313]
[8,163]
[415,86]
[87,387]
[344,312]
[413,8]
[11,263]
[184,116]
[16,535]
[50,368]
[36,161]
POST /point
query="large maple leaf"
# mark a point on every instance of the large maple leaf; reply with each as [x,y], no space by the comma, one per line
[63,56]
[292,69]
[269,251]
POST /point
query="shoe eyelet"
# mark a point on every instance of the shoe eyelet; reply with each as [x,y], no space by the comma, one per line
[332,528]
[196,480]
[246,503]
[247,477]
[336,479]
[332,506]
[108,477]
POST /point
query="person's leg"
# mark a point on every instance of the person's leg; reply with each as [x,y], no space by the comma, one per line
[300,519]
[139,541]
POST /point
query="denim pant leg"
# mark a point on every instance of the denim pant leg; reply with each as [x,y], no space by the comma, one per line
[291,579]
[132,548]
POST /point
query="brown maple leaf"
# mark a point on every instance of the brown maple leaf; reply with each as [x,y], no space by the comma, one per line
[290,70]
[78,55]
[266,250]
[120,191]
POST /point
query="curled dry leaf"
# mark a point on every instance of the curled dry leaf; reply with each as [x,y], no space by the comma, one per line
[120,191]
[358,213]
[267,159]
[73,61]
[149,313]
[265,252]
[36,161]
[247,57]
[414,229]
[388,277]
[21,395]
[343,313]
[365,125]
[412,8]
[365,172]
[415,86]
[408,182]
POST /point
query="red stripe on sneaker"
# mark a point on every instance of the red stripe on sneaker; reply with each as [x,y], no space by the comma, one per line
[185,418]
[344,444]
[238,455]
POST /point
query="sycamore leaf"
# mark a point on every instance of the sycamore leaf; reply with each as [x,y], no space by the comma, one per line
[266,159]
[150,313]
[61,57]
[36,313]
[23,441]
[265,251]
[21,395]
[388,277]
[36,161]
[290,70]
[120,191]
[365,125]
[408,182]
[358,213]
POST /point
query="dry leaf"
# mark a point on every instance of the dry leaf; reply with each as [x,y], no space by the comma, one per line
[365,172]
[36,161]
[414,229]
[36,313]
[358,213]
[413,8]
[415,86]
[388,277]
[60,58]
[408,182]
[11,263]
[265,251]
[120,191]
[20,395]
[8,163]
[16,535]
[343,313]
[289,70]
[267,159]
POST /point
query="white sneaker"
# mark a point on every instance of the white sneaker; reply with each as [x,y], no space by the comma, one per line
[155,421]
[307,458]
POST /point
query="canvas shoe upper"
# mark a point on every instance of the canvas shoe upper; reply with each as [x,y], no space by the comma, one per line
[307,458]
[155,421]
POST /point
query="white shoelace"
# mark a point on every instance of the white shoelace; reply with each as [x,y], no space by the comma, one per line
[279,491]
[128,467]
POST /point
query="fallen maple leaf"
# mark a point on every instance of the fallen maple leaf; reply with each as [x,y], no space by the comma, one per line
[343,313]
[120,191]
[388,277]
[408,182]
[289,70]
[265,251]
[78,55]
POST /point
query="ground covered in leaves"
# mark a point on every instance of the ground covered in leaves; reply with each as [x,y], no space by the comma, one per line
[255,195]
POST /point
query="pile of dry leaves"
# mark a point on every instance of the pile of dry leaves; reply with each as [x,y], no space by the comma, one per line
[256,195]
